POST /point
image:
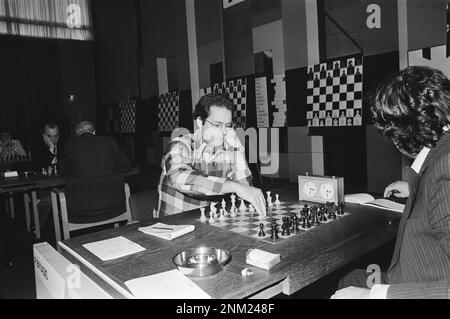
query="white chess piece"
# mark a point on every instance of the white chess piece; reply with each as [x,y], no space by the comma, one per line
[222,215]
[251,208]
[211,217]
[224,204]
[213,208]
[203,216]
[277,200]
[242,207]
[233,212]
[233,200]
[269,199]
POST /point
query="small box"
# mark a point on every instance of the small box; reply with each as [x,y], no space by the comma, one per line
[11,174]
[262,259]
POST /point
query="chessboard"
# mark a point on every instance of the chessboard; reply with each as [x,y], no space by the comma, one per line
[248,223]
[334,93]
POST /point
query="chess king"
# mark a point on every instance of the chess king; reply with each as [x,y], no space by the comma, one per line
[210,162]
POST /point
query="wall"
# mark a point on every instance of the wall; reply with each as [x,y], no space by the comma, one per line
[77,67]
[116,58]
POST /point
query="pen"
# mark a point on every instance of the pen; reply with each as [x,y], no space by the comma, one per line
[161,228]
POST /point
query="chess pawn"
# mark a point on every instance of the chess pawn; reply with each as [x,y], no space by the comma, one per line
[222,215]
[233,212]
[242,207]
[277,200]
[202,215]
[261,231]
[211,218]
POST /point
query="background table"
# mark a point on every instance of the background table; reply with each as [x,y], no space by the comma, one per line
[305,258]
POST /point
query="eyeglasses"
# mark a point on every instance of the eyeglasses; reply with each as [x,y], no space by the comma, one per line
[222,125]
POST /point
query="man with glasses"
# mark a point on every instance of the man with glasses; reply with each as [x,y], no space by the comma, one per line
[210,162]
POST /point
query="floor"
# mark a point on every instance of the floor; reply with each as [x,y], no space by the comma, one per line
[18,282]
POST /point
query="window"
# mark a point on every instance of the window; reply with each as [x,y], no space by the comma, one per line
[56,19]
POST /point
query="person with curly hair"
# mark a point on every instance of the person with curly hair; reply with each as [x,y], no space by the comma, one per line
[412,107]
[10,148]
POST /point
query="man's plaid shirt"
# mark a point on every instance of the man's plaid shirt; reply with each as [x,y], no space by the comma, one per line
[188,183]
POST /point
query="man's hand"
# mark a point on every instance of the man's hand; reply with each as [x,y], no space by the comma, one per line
[352,293]
[48,142]
[248,193]
[398,189]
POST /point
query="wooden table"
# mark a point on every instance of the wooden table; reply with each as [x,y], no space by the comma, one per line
[305,258]
[36,182]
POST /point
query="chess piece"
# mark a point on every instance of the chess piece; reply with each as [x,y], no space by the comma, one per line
[224,204]
[274,227]
[341,211]
[233,213]
[269,199]
[222,215]
[350,68]
[242,207]
[202,215]
[261,231]
[211,217]
[213,209]
[285,227]
[251,208]
[277,200]
[44,172]
[233,201]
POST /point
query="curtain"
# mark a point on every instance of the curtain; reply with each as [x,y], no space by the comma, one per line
[55,19]
[30,87]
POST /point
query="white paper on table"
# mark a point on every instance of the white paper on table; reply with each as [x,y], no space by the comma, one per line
[113,248]
[166,285]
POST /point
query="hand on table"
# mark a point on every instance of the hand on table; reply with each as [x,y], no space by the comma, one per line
[352,293]
[398,189]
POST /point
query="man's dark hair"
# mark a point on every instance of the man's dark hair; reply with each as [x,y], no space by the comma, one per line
[51,125]
[4,129]
[212,99]
[412,107]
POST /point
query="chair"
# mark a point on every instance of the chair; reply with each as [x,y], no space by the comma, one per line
[90,202]
[142,205]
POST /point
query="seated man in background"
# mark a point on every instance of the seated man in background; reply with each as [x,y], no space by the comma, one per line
[9,147]
[90,155]
[412,107]
[207,163]
[46,151]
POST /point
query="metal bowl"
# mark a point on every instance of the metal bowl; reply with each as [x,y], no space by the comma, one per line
[202,261]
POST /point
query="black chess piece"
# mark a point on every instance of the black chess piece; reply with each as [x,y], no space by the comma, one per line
[323,73]
[296,229]
[261,231]
[358,76]
[341,210]
[285,227]
[350,68]
[274,226]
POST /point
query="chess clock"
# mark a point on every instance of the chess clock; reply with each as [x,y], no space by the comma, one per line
[321,189]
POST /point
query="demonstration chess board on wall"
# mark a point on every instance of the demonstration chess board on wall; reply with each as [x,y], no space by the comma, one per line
[127,116]
[168,111]
[334,93]
[247,223]
[237,92]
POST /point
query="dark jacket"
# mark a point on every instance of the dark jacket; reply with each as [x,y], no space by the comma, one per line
[41,155]
[93,156]
[420,266]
